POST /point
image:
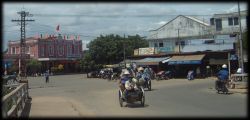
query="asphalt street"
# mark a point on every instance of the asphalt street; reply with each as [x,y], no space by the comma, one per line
[78,96]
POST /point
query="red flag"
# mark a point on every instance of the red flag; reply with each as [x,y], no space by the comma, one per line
[57,28]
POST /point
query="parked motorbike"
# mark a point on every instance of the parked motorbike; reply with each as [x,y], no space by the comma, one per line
[115,76]
[164,75]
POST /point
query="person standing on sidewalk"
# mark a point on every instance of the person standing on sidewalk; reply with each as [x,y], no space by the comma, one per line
[47,76]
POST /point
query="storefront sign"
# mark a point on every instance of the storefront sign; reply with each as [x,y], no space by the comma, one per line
[184,62]
[146,51]
[233,57]
[136,52]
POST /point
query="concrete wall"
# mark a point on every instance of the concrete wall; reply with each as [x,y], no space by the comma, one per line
[186,26]
[226,29]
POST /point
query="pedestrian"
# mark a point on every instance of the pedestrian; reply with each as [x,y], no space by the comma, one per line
[47,76]
[239,71]
[190,75]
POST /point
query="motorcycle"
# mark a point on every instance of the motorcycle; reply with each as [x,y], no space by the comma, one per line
[221,86]
[144,83]
[163,75]
[115,76]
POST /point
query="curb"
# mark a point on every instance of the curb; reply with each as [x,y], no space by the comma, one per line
[242,91]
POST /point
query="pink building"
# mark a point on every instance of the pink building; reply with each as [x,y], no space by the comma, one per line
[51,51]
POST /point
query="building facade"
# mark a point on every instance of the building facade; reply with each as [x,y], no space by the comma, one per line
[229,23]
[50,51]
[170,37]
[184,37]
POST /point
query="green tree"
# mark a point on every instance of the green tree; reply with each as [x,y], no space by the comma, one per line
[33,66]
[109,49]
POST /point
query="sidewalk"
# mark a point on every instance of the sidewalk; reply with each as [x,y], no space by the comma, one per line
[239,88]
[51,107]
[47,106]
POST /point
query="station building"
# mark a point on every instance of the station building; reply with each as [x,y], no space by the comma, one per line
[50,51]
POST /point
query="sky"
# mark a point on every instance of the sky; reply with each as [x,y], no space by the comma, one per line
[90,20]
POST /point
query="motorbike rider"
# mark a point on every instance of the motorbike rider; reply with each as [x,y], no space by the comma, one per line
[222,77]
[124,77]
[147,72]
[141,76]
[130,86]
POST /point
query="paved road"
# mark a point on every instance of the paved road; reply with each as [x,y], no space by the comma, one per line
[77,96]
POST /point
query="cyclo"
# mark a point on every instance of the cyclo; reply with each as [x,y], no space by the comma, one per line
[130,92]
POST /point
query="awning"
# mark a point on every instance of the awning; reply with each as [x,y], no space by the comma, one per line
[186,59]
[151,61]
[164,61]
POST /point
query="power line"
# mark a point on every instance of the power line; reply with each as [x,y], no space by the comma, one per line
[112,16]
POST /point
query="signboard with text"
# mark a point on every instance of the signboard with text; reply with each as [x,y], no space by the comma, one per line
[146,51]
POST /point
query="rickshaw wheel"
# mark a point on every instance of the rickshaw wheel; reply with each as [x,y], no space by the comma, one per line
[120,99]
[149,85]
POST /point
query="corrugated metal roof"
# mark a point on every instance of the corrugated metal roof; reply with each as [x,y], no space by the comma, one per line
[187,57]
[148,61]
[153,59]
[192,18]
[197,20]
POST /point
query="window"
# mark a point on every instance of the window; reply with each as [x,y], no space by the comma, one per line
[232,35]
[230,21]
[155,45]
[236,21]
[218,23]
[161,44]
[72,49]
[177,43]
[182,42]
[69,50]
[212,21]
[27,50]
[76,49]
[209,41]
[51,50]
[42,51]
[61,49]
[13,50]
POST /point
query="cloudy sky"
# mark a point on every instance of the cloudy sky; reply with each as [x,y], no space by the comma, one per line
[90,20]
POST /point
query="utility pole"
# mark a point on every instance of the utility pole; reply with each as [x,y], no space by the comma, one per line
[241,48]
[22,55]
[124,51]
[179,41]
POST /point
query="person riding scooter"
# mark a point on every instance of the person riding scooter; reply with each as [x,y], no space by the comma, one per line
[139,75]
[222,79]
